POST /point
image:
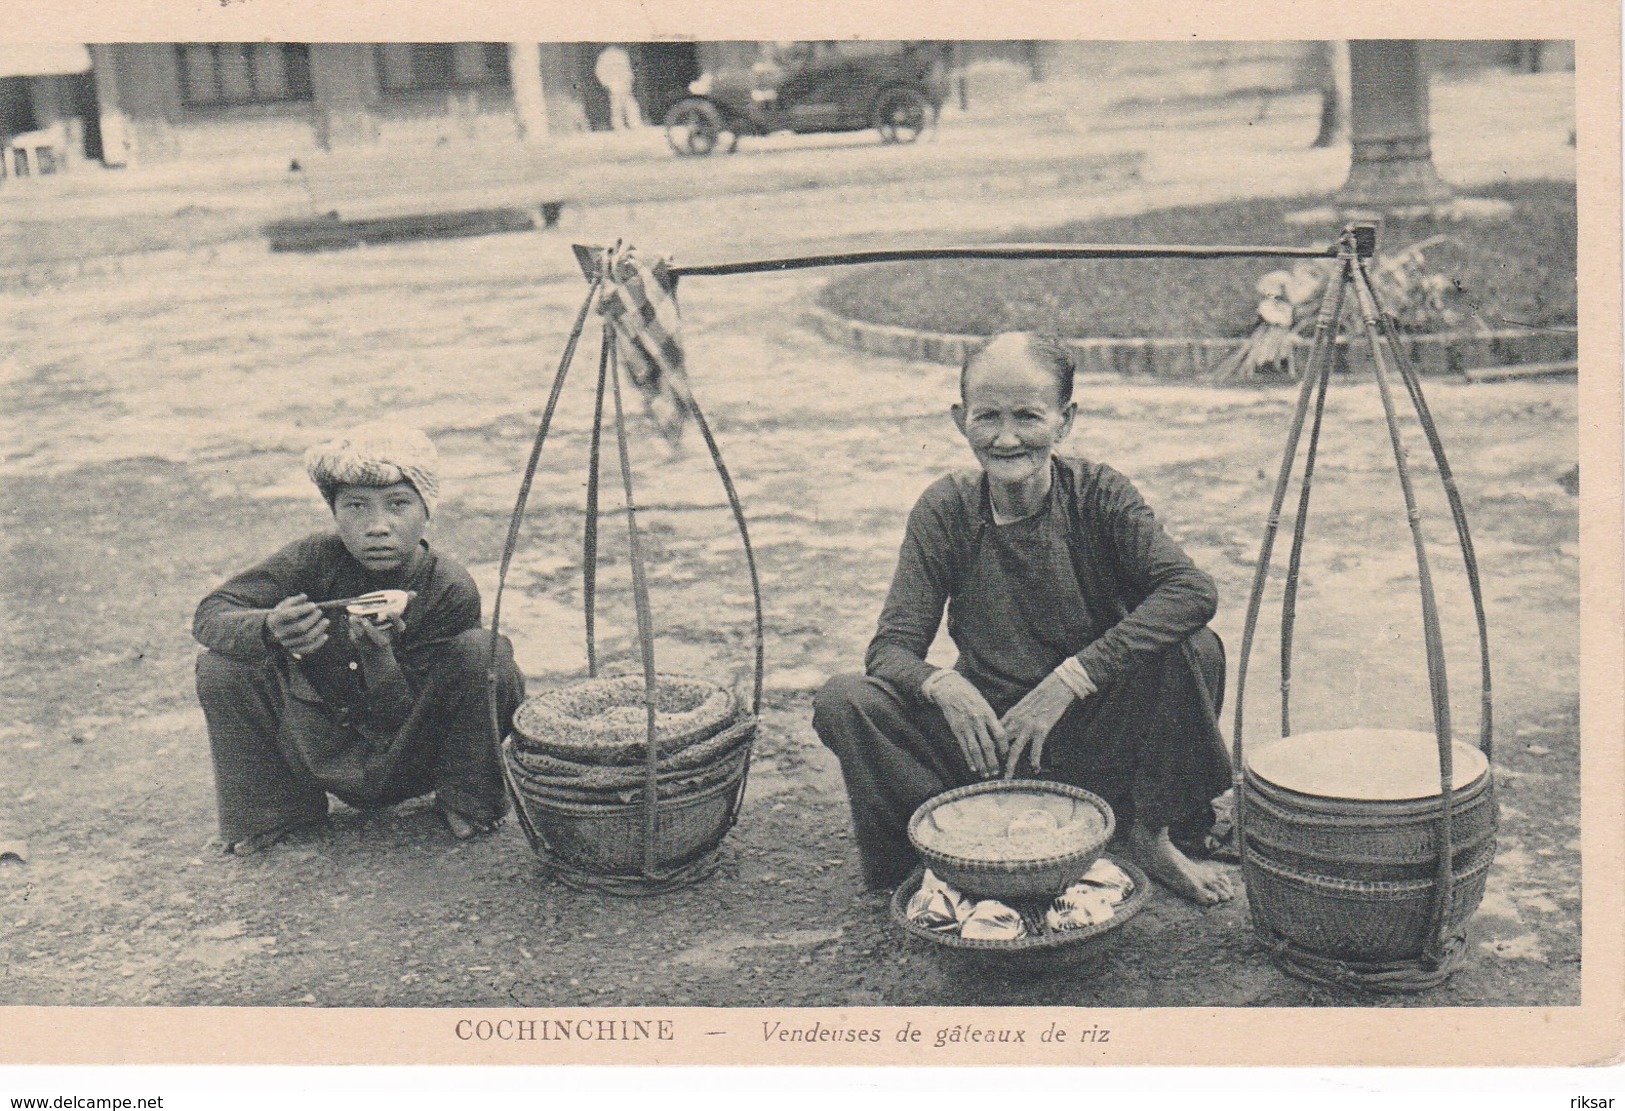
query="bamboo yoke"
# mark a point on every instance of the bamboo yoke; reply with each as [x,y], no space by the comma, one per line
[1352,252]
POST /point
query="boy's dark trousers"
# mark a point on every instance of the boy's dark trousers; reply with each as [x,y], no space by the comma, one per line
[279,749]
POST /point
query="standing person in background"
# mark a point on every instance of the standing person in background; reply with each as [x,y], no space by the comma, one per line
[614,73]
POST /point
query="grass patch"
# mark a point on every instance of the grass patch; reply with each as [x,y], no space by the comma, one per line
[36,252]
[1518,270]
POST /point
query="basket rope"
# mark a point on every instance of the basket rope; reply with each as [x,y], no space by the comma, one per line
[1331,307]
[1289,602]
[1433,637]
[1443,950]
[589,532]
[518,517]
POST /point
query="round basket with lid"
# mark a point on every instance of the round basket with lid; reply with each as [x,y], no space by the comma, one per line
[1365,852]
[960,837]
[1364,804]
[1343,831]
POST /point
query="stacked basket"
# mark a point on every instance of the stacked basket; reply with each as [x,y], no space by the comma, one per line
[1365,850]
[578,764]
[627,784]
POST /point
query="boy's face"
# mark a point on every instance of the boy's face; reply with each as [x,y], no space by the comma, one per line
[381,526]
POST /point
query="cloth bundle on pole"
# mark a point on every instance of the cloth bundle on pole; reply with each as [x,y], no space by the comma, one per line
[640,303]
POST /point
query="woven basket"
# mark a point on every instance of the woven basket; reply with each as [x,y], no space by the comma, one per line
[617,785]
[1012,879]
[608,839]
[701,754]
[1362,840]
[1041,949]
[603,721]
[1358,920]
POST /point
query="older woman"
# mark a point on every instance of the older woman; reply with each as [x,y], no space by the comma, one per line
[1081,630]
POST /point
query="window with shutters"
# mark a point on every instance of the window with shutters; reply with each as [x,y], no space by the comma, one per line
[405,67]
[229,73]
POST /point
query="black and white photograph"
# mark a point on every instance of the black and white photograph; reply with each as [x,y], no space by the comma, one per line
[568,538]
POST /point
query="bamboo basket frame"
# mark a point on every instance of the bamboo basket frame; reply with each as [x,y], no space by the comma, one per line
[1445,946]
[656,875]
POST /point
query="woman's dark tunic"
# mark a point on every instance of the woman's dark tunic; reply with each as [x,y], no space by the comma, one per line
[1091,575]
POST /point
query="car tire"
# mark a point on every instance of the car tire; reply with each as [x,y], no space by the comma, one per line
[694,127]
[900,115]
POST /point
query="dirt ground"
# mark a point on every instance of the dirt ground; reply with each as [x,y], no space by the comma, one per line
[152,417]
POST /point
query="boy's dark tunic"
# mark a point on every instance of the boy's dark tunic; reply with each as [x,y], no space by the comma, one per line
[1091,575]
[284,733]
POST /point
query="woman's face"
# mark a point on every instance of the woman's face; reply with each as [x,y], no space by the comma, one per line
[1012,415]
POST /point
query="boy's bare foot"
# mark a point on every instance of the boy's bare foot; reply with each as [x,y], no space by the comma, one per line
[259,842]
[1204,884]
[464,828]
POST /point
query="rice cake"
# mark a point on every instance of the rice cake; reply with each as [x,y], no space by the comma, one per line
[999,826]
[1374,765]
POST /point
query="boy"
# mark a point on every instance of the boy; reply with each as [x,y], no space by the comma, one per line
[302,702]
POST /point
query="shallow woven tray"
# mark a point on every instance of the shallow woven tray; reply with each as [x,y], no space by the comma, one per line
[1040,948]
[603,721]
[1035,877]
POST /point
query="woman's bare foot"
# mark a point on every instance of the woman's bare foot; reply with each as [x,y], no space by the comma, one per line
[1204,884]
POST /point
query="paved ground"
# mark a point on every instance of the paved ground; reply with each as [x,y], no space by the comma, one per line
[152,410]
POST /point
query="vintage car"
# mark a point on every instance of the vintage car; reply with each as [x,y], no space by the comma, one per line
[895,87]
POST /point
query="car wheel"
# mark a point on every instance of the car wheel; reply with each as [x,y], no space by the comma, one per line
[693,127]
[901,114]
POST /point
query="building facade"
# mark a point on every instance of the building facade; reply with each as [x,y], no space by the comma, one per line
[162,102]
[152,103]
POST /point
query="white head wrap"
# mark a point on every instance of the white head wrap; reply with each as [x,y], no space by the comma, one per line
[376,455]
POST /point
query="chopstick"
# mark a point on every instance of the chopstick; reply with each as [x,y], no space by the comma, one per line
[341,603]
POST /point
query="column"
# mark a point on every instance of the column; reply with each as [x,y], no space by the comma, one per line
[1392,164]
[529,102]
[341,84]
[118,140]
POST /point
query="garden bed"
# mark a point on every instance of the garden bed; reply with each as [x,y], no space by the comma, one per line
[1505,276]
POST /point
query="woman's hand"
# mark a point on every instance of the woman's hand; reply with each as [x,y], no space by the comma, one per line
[297,625]
[1029,721]
[976,727]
